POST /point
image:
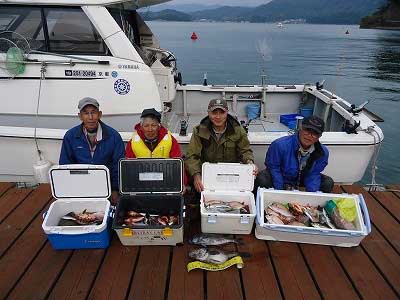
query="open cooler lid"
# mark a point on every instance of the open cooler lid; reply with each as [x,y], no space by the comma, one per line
[227,176]
[150,175]
[80,181]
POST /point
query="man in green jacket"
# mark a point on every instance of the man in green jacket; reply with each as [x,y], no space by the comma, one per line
[218,138]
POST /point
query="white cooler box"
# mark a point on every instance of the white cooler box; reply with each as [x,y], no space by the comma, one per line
[310,235]
[76,188]
[227,182]
[154,186]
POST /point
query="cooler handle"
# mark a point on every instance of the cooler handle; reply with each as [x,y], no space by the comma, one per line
[258,213]
[309,230]
[111,212]
[365,212]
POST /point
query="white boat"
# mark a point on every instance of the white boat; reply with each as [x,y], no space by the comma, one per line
[279,24]
[103,49]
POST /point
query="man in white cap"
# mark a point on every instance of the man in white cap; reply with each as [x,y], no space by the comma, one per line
[218,138]
[93,142]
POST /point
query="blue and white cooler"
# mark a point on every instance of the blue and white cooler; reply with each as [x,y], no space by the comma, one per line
[77,188]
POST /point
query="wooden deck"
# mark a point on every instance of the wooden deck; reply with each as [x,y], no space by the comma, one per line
[31,269]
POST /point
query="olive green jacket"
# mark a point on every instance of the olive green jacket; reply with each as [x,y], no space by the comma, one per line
[233,146]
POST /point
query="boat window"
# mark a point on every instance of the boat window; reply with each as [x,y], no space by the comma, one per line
[26,22]
[126,20]
[70,31]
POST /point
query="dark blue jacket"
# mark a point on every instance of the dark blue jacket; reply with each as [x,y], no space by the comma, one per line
[75,150]
[282,161]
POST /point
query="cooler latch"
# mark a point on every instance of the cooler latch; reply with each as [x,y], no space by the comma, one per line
[244,219]
[127,232]
[167,232]
[212,219]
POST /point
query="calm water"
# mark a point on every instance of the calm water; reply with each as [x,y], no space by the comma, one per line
[363,65]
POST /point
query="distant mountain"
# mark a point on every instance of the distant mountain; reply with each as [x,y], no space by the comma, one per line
[224,13]
[166,15]
[387,17]
[313,11]
[186,8]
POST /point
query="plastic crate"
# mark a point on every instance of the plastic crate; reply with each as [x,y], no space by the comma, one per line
[289,120]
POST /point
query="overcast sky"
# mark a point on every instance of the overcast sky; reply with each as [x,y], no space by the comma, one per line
[223,2]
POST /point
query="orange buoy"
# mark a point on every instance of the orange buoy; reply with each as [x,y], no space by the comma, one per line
[194,36]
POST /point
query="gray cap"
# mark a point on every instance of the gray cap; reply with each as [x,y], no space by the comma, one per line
[88,101]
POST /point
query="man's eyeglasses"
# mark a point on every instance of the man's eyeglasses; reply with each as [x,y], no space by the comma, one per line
[90,113]
[311,132]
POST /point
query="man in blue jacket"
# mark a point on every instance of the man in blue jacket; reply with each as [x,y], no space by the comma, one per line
[298,160]
[93,142]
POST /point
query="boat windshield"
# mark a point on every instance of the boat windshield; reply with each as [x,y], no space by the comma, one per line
[127,19]
[65,30]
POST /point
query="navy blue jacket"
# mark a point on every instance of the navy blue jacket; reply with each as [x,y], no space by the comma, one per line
[75,150]
[282,161]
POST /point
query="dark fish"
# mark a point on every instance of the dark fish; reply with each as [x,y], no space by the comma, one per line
[211,255]
[205,239]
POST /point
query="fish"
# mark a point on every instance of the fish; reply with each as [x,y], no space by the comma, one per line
[218,208]
[295,208]
[324,219]
[85,217]
[274,219]
[132,213]
[211,255]
[207,239]
[133,220]
[236,204]
[280,209]
[212,202]
[312,213]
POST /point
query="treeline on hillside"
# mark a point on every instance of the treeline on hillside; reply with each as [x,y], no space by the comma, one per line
[314,11]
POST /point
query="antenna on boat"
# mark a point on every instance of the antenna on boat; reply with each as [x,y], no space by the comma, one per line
[263,49]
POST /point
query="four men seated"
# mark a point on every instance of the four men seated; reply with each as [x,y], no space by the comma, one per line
[291,161]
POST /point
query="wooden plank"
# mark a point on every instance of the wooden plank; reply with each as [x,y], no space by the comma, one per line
[41,275]
[20,218]
[149,280]
[365,277]
[184,285]
[224,284]
[327,270]
[390,201]
[114,276]
[293,275]
[258,274]
[11,199]
[379,217]
[17,259]
[395,188]
[384,257]
[78,276]
[4,186]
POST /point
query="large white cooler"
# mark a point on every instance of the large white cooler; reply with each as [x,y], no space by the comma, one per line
[154,186]
[227,182]
[76,188]
[311,235]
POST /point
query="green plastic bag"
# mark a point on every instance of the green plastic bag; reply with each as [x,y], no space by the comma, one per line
[14,61]
[347,209]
